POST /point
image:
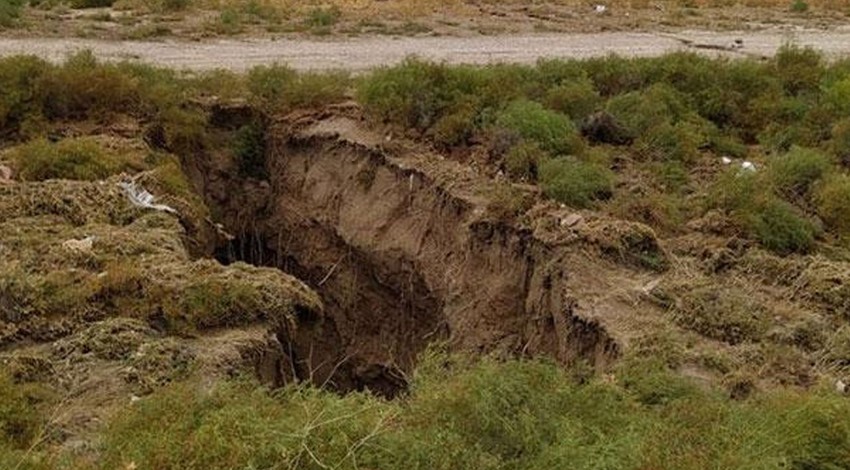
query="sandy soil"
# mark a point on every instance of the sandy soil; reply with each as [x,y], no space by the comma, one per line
[367,52]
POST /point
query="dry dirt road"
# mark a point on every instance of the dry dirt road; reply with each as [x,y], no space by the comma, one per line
[368,52]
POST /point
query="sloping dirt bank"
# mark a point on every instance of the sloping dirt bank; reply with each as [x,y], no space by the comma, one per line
[403,248]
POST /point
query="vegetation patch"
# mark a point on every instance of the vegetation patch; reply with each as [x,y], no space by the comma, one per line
[78,159]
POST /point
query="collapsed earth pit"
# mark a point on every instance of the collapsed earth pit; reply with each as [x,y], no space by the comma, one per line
[400,247]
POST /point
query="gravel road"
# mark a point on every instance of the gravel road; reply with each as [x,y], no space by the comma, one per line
[368,52]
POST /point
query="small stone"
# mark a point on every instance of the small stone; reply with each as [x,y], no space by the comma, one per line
[571,220]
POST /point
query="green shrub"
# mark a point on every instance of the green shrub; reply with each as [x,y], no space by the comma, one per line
[658,105]
[91,3]
[794,173]
[174,5]
[781,228]
[278,87]
[10,11]
[553,132]
[741,99]
[21,100]
[836,97]
[799,68]
[249,145]
[575,99]
[77,159]
[678,142]
[614,75]
[82,87]
[506,202]
[522,161]
[799,6]
[777,225]
[22,413]
[323,17]
[413,94]
[455,127]
[485,414]
[840,143]
[833,203]
[723,314]
[652,383]
[575,182]
[240,426]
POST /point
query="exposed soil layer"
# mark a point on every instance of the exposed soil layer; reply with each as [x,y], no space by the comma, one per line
[400,245]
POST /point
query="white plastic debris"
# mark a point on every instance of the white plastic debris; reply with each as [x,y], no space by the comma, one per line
[572,220]
[599,9]
[142,198]
[748,166]
[5,174]
[726,160]
[84,245]
[841,387]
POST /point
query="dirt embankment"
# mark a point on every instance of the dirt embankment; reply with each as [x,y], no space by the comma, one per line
[402,247]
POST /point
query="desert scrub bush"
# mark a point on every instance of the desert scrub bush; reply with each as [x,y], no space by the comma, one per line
[10,11]
[836,352]
[456,126]
[249,146]
[664,212]
[415,93]
[575,182]
[662,122]
[728,315]
[278,87]
[614,75]
[832,199]
[77,159]
[522,160]
[320,19]
[296,427]
[506,202]
[484,414]
[799,68]
[21,100]
[836,96]
[795,173]
[651,381]
[91,3]
[799,6]
[780,227]
[678,142]
[577,99]
[776,224]
[552,131]
[81,87]
[840,141]
[22,412]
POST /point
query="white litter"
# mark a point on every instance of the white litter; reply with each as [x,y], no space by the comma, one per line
[726,160]
[5,174]
[841,387]
[600,9]
[748,166]
[140,197]
[84,245]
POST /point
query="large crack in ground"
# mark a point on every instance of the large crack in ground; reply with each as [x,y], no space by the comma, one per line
[403,254]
